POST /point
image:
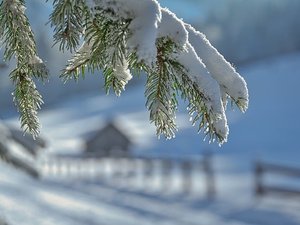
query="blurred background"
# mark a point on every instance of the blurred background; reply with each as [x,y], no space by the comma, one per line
[98,160]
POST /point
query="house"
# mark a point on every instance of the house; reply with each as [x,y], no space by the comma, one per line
[109,141]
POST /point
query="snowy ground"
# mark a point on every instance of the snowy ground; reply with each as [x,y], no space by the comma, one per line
[26,201]
[269,130]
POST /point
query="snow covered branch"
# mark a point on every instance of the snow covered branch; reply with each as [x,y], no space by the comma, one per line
[17,36]
[123,37]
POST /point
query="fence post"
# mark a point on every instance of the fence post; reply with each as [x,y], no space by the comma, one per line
[148,170]
[187,176]
[91,169]
[209,174]
[166,174]
[114,169]
[67,168]
[258,178]
[54,165]
[132,172]
[125,175]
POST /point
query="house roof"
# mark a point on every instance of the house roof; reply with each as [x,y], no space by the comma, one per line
[102,132]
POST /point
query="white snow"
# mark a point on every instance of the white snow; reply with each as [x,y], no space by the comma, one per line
[173,28]
[35,60]
[122,72]
[83,54]
[260,132]
[144,15]
[204,65]
[199,74]
[269,129]
[229,80]
[143,29]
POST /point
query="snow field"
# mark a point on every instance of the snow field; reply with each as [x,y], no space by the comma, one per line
[112,202]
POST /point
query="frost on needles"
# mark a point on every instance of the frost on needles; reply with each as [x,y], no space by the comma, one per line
[17,38]
[133,36]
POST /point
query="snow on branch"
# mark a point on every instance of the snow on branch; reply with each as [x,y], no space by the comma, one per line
[230,81]
[123,37]
[140,35]
[18,39]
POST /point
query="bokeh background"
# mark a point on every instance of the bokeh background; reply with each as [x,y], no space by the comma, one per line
[261,38]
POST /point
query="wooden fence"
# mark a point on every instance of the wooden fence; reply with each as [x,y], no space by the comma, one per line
[129,170]
[263,169]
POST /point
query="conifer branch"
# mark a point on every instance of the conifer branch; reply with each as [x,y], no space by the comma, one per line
[116,39]
[18,38]
[171,77]
[27,99]
[241,103]
[197,108]
[160,93]
[68,19]
[104,48]
[199,112]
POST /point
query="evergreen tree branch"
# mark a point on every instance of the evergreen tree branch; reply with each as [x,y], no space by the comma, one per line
[16,33]
[169,80]
[27,99]
[197,108]
[104,48]
[188,90]
[68,19]
[19,42]
[117,39]
[77,64]
[160,92]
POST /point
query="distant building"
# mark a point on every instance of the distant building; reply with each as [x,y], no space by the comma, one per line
[109,141]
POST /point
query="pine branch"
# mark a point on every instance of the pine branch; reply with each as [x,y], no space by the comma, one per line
[104,48]
[18,39]
[159,102]
[168,80]
[28,100]
[198,110]
[77,64]
[137,67]
[68,19]
[15,32]
[160,92]
[241,103]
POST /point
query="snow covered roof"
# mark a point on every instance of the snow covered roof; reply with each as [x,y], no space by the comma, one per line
[108,139]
